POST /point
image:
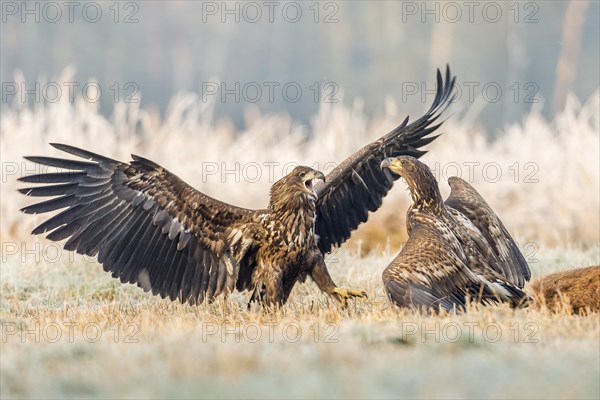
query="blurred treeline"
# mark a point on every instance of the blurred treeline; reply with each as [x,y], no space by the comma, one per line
[369,53]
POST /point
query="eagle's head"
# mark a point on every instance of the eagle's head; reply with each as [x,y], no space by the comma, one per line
[303,178]
[421,182]
[295,187]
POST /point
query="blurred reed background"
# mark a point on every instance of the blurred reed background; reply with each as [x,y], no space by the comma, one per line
[532,149]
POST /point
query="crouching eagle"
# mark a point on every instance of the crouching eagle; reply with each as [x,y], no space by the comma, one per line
[147,226]
[457,250]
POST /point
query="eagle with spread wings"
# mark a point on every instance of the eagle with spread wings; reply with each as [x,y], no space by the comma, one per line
[147,226]
[457,250]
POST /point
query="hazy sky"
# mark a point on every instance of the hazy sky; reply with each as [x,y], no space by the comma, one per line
[290,56]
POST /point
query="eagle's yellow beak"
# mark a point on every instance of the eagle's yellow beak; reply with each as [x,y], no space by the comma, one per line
[320,175]
[309,181]
[391,163]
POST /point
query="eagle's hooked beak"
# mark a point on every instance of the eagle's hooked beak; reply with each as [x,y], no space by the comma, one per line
[390,163]
[320,175]
[308,183]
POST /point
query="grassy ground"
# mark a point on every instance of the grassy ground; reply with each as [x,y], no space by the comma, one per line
[69,329]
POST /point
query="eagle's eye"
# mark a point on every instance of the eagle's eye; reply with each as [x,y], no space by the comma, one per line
[302,174]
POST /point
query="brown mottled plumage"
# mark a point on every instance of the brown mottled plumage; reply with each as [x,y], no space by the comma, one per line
[149,227]
[456,250]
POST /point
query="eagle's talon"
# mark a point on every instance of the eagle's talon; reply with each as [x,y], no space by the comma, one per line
[344,294]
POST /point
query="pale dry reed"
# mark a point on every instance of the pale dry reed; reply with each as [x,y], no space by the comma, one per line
[542,177]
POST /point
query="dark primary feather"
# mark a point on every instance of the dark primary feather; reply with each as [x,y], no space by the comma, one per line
[358,185]
[145,224]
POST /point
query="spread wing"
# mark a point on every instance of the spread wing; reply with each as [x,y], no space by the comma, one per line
[431,272]
[143,223]
[505,257]
[358,185]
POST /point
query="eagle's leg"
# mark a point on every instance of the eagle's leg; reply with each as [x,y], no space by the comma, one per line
[258,295]
[270,293]
[274,288]
[321,276]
